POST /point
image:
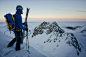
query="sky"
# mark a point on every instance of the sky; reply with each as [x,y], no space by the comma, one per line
[46,9]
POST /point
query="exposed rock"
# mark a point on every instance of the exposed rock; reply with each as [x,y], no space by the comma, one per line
[59,35]
[73,28]
[47,28]
[84,30]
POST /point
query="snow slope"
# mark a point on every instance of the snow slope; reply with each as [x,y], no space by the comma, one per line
[44,44]
[51,38]
[10,52]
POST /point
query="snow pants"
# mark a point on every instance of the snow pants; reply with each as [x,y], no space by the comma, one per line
[17,39]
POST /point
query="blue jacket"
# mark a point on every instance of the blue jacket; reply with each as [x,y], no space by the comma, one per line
[18,19]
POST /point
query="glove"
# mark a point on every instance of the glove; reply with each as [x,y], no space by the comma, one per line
[24,23]
[26,29]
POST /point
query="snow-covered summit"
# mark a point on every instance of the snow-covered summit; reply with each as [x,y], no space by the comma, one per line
[47,28]
[57,35]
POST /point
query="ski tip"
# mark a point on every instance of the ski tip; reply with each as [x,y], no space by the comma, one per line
[28,8]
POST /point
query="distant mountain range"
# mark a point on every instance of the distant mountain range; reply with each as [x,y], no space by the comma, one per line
[83,28]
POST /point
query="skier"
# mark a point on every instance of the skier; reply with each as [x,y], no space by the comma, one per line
[18,29]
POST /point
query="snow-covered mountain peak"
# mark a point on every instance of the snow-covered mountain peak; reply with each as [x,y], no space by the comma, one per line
[56,35]
[47,28]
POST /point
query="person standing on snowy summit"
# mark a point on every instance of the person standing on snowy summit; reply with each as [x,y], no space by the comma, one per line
[18,29]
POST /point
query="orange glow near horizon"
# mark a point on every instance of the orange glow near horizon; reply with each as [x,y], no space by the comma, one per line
[3,19]
[58,18]
[47,10]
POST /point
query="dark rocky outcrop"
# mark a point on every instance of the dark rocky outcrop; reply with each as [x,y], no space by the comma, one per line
[59,34]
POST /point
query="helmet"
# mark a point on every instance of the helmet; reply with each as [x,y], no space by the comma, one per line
[19,7]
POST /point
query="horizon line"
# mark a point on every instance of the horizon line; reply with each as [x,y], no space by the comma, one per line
[49,19]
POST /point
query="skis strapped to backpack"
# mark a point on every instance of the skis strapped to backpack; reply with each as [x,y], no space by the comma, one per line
[10,21]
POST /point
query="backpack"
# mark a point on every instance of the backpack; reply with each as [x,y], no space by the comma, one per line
[10,21]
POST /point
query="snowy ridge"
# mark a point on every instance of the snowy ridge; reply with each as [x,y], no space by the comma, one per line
[58,35]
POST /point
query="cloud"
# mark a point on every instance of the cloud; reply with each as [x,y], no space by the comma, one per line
[71,10]
[80,11]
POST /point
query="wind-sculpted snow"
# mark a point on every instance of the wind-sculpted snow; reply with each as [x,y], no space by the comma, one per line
[57,35]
